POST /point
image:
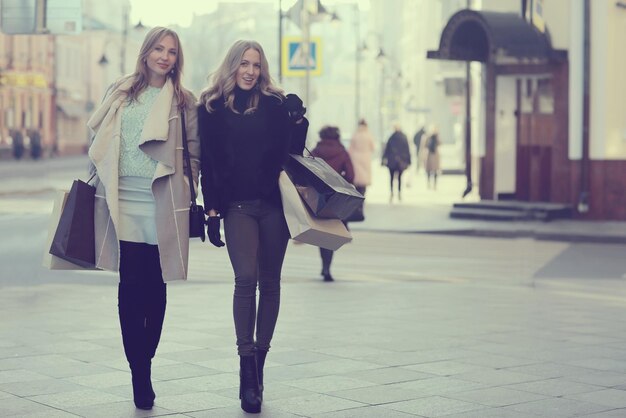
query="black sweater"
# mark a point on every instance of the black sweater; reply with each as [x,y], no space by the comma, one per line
[242,155]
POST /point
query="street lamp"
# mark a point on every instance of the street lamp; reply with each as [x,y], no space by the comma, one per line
[109,43]
[103,61]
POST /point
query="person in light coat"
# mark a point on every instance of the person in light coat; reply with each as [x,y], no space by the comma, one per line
[142,194]
[361,148]
[432,158]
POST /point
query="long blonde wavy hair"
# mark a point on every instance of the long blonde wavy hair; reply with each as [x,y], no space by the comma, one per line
[224,79]
[141,76]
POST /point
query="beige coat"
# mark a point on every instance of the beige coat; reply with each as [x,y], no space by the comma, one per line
[432,157]
[161,139]
[361,149]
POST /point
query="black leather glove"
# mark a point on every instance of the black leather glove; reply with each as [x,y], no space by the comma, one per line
[213,231]
[294,107]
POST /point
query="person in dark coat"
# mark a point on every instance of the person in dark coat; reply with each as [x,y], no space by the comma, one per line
[247,127]
[330,149]
[397,158]
[417,140]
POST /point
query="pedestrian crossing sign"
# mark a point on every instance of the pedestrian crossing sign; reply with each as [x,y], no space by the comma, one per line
[295,59]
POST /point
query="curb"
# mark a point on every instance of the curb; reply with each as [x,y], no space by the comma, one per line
[491,233]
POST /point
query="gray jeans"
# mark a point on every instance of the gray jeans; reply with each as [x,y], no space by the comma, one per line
[256,238]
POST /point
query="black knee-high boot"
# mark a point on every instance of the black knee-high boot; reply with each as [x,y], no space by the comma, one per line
[132,308]
[249,384]
[260,355]
[155,315]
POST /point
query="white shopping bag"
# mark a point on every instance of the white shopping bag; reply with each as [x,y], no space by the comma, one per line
[303,226]
[50,261]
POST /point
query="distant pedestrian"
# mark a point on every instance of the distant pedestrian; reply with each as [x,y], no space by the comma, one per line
[432,158]
[362,146]
[397,158]
[417,140]
[142,194]
[35,144]
[17,143]
[330,149]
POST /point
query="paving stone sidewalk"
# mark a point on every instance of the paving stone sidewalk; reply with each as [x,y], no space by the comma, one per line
[400,333]
[416,325]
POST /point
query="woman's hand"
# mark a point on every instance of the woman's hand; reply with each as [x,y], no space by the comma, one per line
[213,231]
[294,106]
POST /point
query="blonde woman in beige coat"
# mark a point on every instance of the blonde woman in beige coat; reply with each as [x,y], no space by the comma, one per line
[142,194]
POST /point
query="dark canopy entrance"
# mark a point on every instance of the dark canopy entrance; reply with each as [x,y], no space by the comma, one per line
[509,46]
[493,37]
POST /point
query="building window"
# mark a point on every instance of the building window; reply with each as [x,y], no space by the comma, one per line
[454,86]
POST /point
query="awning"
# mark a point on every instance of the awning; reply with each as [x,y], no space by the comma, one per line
[494,37]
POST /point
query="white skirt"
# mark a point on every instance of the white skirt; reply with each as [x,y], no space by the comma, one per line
[137,210]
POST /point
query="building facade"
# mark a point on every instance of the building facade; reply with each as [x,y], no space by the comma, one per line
[552,121]
[26,95]
[49,84]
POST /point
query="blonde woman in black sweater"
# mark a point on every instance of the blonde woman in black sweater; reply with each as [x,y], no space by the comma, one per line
[247,127]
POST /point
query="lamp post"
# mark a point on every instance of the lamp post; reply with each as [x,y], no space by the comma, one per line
[306,44]
[372,49]
[302,13]
[280,41]
[380,58]
[468,124]
[357,66]
[312,8]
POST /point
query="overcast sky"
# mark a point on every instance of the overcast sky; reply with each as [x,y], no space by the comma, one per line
[180,12]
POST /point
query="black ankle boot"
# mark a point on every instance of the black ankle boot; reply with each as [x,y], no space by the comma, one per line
[249,385]
[143,394]
[260,363]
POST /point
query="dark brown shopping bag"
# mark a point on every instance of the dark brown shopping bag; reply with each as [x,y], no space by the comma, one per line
[327,194]
[50,261]
[74,239]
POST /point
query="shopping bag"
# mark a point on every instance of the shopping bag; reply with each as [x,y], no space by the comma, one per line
[327,194]
[303,226]
[50,261]
[357,216]
[74,239]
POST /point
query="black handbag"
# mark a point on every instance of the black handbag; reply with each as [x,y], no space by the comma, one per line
[325,191]
[196,212]
[74,239]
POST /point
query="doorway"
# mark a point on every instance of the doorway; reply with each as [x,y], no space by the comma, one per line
[535,121]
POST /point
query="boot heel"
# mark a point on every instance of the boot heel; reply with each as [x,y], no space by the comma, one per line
[260,364]
[249,385]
